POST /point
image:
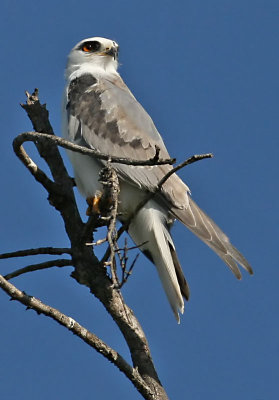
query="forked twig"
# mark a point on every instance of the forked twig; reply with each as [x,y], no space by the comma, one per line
[127,273]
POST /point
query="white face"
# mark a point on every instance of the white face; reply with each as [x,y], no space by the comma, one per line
[96,51]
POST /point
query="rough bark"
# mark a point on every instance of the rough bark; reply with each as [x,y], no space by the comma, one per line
[88,270]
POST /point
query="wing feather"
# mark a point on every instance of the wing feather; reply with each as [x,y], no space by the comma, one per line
[206,229]
[107,117]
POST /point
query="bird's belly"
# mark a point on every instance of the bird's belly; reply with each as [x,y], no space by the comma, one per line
[86,171]
[129,198]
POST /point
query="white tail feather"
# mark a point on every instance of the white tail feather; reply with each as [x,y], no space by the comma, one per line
[149,226]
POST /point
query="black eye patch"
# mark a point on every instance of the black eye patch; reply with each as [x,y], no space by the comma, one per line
[91,46]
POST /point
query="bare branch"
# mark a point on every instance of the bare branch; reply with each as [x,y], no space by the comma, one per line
[123,260]
[34,252]
[126,248]
[189,161]
[126,273]
[80,331]
[98,242]
[43,137]
[38,174]
[37,112]
[36,267]
[61,195]
[109,180]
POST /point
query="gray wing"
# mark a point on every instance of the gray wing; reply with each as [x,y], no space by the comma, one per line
[104,115]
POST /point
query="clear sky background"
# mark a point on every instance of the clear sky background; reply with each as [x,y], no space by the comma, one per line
[207,72]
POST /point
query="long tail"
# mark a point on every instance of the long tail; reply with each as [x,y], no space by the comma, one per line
[206,229]
[150,227]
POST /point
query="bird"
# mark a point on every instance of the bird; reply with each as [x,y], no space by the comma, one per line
[100,112]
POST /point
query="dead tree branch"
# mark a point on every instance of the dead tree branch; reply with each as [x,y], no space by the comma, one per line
[33,252]
[88,337]
[37,267]
[109,180]
[87,268]
[42,138]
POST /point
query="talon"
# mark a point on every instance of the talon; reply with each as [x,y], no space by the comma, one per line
[94,204]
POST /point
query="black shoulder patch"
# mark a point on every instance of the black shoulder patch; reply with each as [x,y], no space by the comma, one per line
[78,86]
[85,104]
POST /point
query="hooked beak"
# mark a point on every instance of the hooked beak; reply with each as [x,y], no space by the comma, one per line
[113,51]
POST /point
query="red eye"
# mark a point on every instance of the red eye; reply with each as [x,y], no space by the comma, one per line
[90,47]
[86,48]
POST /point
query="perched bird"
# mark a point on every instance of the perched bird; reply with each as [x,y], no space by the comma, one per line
[100,112]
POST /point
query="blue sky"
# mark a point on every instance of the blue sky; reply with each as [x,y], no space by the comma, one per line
[207,72]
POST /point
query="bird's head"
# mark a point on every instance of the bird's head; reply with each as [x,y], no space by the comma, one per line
[94,54]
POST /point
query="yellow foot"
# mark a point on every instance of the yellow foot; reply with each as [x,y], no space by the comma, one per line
[94,204]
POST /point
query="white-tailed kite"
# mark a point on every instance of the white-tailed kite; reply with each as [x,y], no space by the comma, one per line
[101,113]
